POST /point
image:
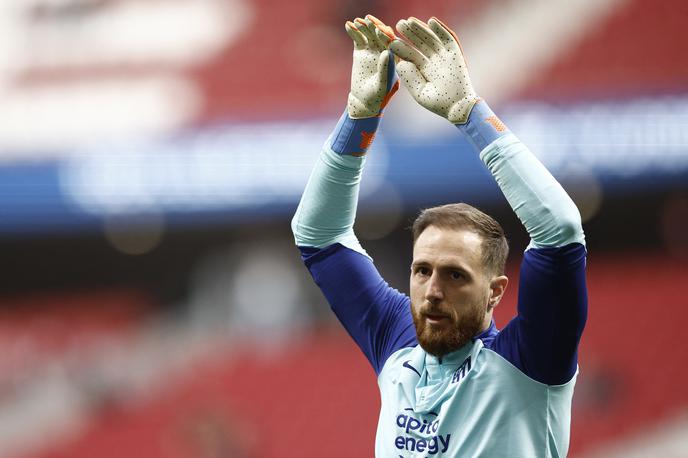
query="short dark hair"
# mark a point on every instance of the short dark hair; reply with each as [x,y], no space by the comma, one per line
[463,216]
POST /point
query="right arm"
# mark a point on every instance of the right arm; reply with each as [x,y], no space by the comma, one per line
[375,315]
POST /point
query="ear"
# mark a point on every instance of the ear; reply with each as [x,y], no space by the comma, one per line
[497,289]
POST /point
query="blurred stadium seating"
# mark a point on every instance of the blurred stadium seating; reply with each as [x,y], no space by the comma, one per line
[152,153]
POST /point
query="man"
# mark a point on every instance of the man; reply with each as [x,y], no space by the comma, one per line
[451,384]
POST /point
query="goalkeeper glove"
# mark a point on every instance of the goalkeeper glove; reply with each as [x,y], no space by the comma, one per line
[373,83]
[433,69]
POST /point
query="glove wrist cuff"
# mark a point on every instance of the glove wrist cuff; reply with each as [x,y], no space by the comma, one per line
[353,136]
[483,126]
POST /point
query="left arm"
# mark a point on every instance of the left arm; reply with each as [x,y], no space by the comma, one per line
[542,340]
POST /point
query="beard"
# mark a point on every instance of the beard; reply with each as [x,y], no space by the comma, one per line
[451,334]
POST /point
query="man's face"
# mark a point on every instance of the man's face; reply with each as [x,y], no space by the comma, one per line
[452,295]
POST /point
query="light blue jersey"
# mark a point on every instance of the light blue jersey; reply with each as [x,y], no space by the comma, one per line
[472,403]
[506,393]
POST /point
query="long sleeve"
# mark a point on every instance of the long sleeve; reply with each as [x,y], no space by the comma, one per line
[542,340]
[545,209]
[327,209]
[375,315]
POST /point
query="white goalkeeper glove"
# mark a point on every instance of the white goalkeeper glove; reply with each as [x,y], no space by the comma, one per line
[373,81]
[433,68]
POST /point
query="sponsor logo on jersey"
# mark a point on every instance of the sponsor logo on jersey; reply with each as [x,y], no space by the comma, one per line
[420,435]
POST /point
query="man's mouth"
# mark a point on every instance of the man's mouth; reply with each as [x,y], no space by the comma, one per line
[436,318]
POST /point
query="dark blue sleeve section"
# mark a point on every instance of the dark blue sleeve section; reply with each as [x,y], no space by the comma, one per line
[542,340]
[375,315]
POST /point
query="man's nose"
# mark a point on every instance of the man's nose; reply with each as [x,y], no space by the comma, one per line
[433,291]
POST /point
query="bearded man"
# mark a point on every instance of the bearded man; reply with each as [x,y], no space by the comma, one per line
[451,384]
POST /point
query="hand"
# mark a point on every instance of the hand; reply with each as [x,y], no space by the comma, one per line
[373,81]
[433,68]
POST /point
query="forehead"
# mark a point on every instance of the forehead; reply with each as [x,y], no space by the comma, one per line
[439,245]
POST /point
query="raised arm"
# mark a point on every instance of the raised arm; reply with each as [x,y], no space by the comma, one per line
[543,339]
[375,315]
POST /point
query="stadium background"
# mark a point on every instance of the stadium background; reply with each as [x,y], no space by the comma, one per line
[152,153]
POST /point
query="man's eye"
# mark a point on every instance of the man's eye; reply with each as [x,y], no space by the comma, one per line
[423,271]
[456,275]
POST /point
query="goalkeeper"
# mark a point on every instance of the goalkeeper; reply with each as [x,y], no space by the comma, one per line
[451,384]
